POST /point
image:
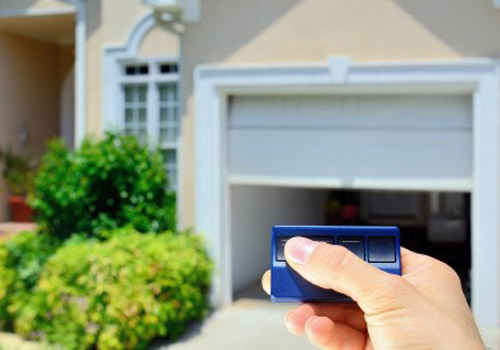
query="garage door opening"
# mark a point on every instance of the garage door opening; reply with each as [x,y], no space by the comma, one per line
[426,126]
[432,223]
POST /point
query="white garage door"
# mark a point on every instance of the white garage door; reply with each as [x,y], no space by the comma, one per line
[391,142]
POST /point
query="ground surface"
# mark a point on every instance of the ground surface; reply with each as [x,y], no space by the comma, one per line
[248,324]
[10,228]
[252,324]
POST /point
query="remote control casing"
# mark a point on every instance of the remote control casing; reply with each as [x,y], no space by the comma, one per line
[378,245]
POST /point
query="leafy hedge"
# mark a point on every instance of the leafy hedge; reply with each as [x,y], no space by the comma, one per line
[86,282]
[106,184]
[118,294]
[22,259]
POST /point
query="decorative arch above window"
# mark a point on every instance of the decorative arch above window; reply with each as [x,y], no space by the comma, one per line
[141,96]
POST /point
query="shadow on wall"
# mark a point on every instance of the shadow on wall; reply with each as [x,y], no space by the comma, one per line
[258,17]
[17,4]
[468,27]
[358,29]
[94,21]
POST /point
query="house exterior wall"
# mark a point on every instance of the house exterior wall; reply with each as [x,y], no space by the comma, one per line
[160,42]
[294,31]
[29,91]
[93,69]
[111,23]
[34,5]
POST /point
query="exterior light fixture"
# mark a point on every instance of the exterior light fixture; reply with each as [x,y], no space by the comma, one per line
[175,10]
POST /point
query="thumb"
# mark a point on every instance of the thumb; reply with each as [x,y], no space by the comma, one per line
[335,267]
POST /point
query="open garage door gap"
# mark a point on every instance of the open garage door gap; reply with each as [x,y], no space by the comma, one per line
[389,185]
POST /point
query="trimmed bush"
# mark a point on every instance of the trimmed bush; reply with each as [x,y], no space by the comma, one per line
[119,294]
[106,184]
[22,259]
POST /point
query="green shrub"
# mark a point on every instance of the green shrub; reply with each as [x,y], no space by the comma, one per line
[119,294]
[21,263]
[17,171]
[106,184]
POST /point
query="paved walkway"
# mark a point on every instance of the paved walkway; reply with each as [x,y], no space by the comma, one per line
[8,229]
[251,324]
[245,325]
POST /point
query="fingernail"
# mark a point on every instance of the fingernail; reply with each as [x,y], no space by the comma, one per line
[298,249]
[309,322]
[290,325]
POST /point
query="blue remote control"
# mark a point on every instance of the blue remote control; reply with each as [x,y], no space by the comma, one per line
[377,245]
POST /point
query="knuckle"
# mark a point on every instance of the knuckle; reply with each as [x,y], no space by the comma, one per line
[449,273]
[338,262]
[445,271]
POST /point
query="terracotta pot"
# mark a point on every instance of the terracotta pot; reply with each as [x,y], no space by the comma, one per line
[20,211]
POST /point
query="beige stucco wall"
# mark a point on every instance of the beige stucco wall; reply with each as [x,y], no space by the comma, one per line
[119,18]
[29,94]
[260,31]
[160,42]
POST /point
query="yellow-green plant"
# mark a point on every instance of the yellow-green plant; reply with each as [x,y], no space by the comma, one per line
[119,294]
[22,259]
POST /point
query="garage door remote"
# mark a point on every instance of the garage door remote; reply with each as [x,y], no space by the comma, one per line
[377,245]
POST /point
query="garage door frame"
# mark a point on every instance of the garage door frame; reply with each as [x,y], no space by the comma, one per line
[478,77]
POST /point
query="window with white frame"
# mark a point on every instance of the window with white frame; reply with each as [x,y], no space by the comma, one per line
[150,107]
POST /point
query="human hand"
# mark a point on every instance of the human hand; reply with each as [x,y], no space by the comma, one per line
[422,309]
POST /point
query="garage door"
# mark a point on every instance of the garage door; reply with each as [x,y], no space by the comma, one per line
[388,142]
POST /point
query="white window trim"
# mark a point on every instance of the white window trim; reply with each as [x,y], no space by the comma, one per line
[479,78]
[151,80]
[114,57]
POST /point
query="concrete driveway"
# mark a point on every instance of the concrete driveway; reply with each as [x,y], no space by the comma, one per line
[252,324]
[248,324]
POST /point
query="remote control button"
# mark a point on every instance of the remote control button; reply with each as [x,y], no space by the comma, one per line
[281,242]
[328,240]
[354,244]
[381,249]
[280,247]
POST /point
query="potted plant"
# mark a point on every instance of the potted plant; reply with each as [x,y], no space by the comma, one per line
[18,175]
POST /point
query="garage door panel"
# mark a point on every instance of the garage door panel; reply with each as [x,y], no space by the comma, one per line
[355,151]
[350,154]
[365,111]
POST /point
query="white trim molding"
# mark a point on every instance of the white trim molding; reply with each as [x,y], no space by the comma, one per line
[477,77]
[358,184]
[80,124]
